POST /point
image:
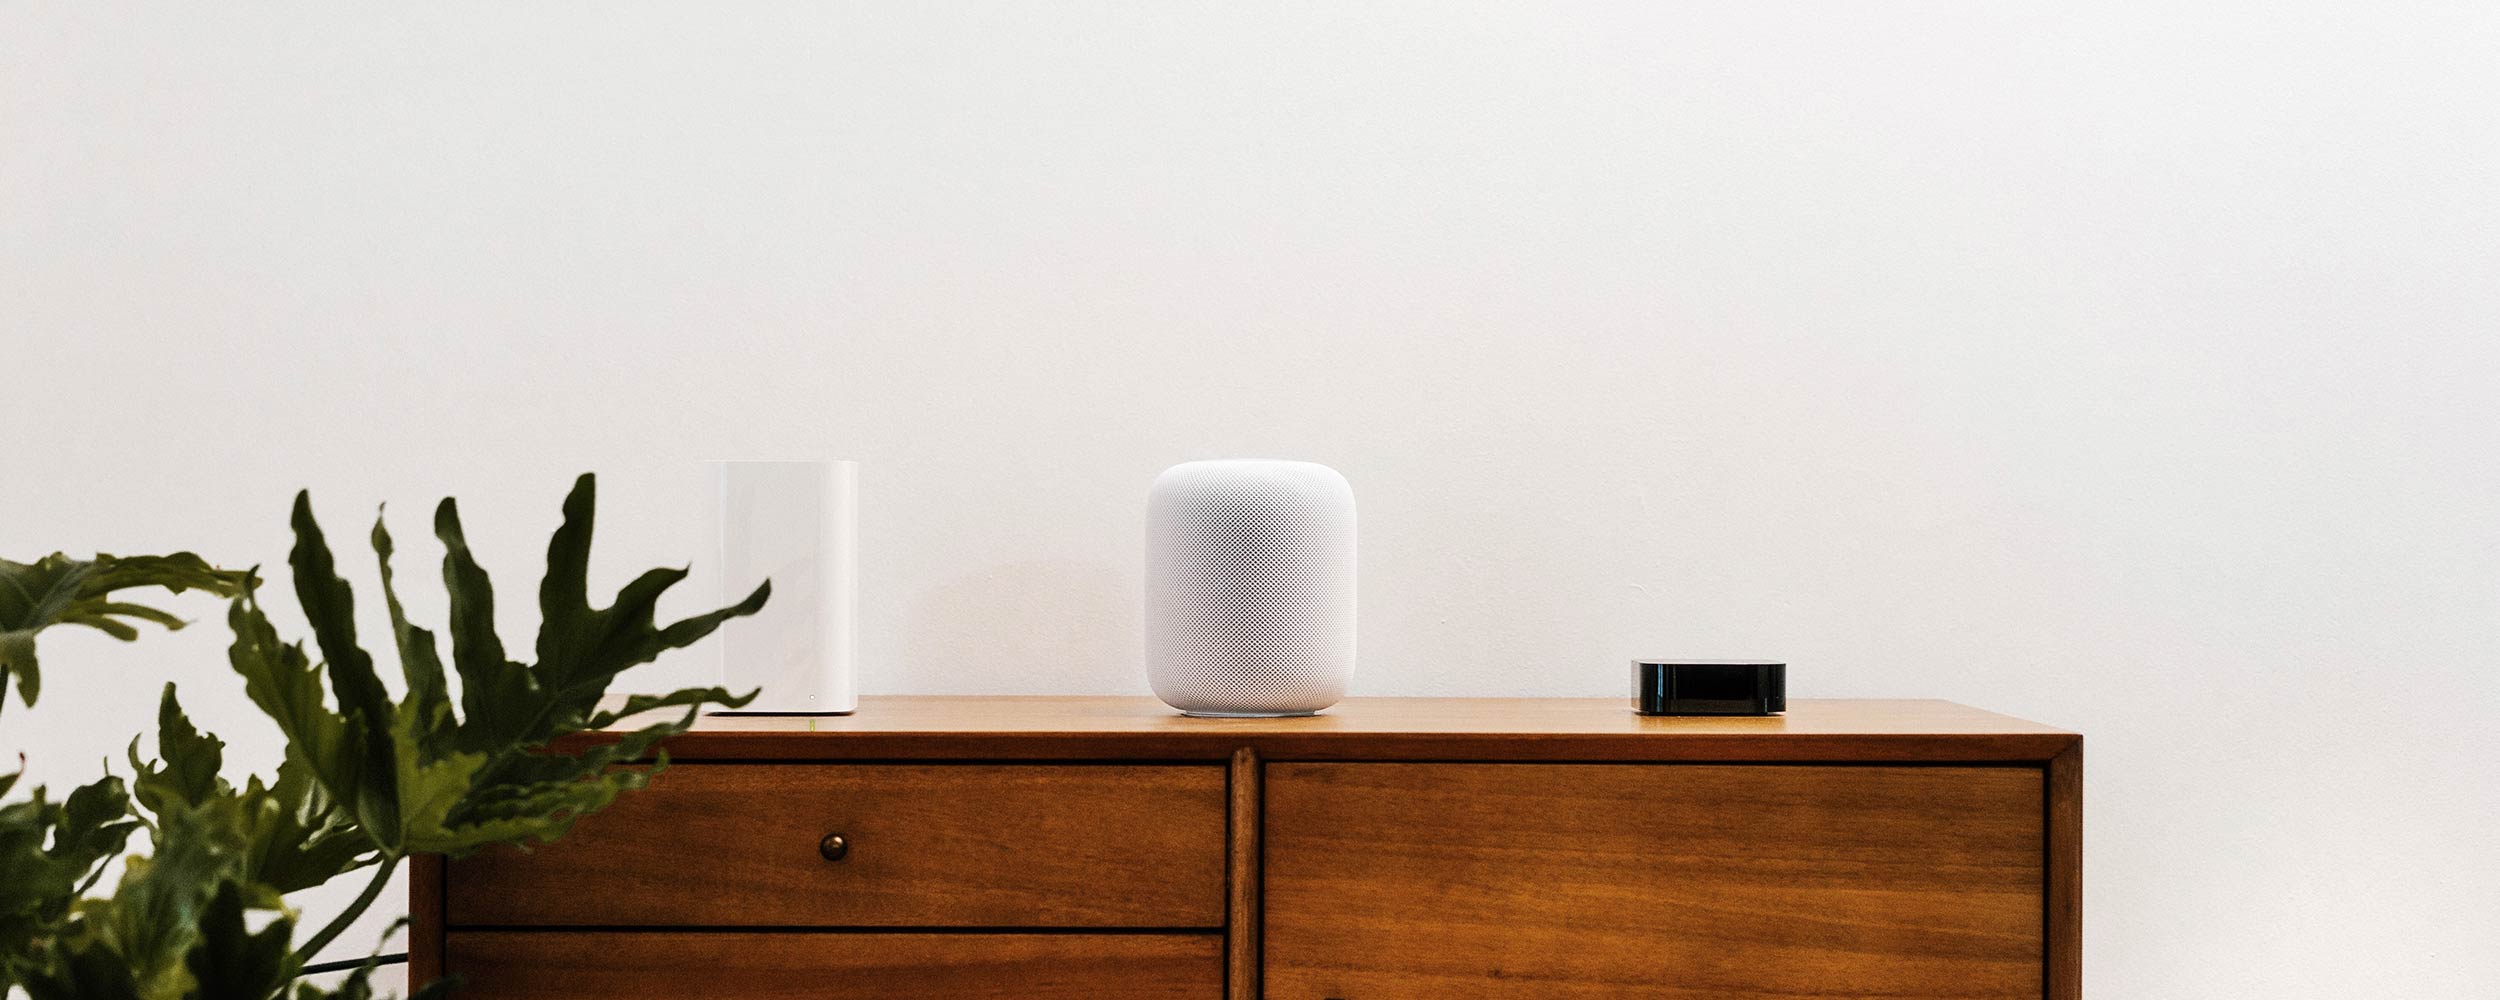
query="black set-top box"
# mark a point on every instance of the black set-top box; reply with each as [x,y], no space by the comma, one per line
[1709,687]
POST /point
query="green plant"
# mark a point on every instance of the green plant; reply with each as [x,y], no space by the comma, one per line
[59,590]
[367,781]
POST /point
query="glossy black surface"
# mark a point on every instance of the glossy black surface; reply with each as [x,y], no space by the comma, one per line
[1697,687]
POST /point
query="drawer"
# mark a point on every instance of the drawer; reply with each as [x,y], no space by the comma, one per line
[927,845]
[1580,882]
[659,965]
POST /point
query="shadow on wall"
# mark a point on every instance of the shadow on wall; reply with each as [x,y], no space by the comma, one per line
[1034,627]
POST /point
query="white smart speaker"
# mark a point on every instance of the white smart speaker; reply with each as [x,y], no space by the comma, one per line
[798,524]
[1250,587]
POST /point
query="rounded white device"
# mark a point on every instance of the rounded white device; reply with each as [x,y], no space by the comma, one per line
[1250,587]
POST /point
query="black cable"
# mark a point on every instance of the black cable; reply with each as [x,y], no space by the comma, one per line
[345,964]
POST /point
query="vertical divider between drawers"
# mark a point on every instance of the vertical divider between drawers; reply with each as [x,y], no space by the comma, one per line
[1241,916]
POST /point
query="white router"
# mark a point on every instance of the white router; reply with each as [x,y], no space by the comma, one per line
[798,524]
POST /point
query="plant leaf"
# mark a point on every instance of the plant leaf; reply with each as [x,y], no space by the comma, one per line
[59,590]
[581,649]
[153,917]
[690,697]
[498,697]
[292,837]
[365,780]
[48,852]
[287,687]
[231,960]
[428,702]
[82,970]
[296,836]
[191,760]
[458,781]
[372,786]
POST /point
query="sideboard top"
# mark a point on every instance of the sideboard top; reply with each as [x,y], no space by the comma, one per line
[1471,729]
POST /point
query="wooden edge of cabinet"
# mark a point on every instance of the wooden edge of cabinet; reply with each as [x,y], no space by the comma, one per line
[2065,873]
[425,920]
[1488,730]
[1217,746]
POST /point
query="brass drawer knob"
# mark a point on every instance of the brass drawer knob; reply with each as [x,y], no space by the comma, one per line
[834,847]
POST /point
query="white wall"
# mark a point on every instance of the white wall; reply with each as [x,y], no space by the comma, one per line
[2126,367]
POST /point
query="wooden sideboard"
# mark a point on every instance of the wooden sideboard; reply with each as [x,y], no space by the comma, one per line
[1043,848]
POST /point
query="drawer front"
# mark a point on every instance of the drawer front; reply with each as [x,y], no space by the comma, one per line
[658,965]
[934,845]
[1504,881]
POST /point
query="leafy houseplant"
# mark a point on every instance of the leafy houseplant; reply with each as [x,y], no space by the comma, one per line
[367,780]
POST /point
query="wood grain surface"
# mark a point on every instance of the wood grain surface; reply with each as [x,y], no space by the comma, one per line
[1557,849]
[1241,919]
[1487,729]
[2065,904]
[1562,882]
[534,965]
[930,845]
[425,920]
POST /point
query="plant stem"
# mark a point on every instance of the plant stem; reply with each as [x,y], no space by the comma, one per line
[348,916]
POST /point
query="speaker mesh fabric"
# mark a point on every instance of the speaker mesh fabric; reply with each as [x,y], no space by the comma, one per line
[1250,587]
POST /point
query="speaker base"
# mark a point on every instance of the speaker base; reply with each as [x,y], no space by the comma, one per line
[1249,715]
